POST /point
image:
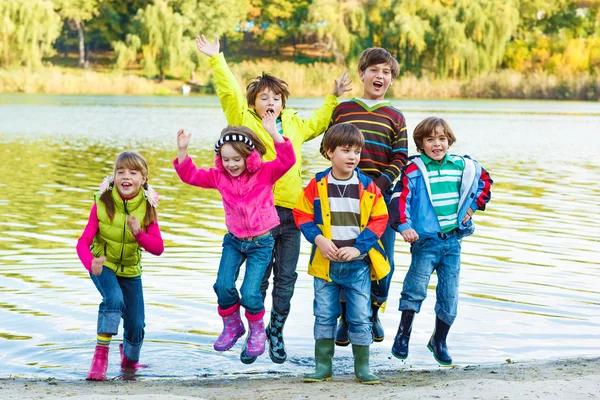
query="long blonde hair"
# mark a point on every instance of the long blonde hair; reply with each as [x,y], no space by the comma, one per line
[134,161]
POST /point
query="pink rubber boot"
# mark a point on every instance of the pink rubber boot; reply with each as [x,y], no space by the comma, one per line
[233,328]
[255,344]
[125,363]
[99,364]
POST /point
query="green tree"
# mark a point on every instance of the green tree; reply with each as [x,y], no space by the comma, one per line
[278,21]
[339,25]
[27,32]
[77,13]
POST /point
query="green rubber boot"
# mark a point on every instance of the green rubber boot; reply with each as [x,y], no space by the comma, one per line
[323,356]
[361,365]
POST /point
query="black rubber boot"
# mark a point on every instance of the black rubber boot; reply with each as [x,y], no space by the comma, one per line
[378,332]
[341,337]
[323,361]
[437,343]
[274,331]
[400,347]
[361,365]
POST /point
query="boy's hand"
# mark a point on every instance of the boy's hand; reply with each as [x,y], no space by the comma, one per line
[204,46]
[340,86]
[410,235]
[468,216]
[97,264]
[348,253]
[134,224]
[268,122]
[327,248]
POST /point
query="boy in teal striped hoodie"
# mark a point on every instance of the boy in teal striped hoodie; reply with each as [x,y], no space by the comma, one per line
[431,208]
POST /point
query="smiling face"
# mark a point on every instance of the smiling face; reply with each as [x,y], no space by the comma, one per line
[267,101]
[376,79]
[344,159]
[128,181]
[233,162]
[435,146]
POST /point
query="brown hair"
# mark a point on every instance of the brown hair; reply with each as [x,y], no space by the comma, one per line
[134,161]
[243,149]
[378,55]
[267,81]
[427,127]
[346,135]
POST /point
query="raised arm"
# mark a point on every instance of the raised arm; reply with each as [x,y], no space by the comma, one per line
[233,102]
[185,168]
[320,119]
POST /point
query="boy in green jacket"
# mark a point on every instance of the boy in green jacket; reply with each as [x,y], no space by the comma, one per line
[268,94]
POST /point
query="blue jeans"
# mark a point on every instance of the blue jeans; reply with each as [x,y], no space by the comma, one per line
[434,254]
[121,298]
[257,254]
[380,289]
[354,278]
[283,264]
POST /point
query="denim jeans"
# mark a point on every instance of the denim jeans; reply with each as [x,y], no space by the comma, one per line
[284,261]
[354,277]
[257,254]
[380,289]
[121,298]
[433,254]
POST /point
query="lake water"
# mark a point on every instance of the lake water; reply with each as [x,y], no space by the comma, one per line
[530,275]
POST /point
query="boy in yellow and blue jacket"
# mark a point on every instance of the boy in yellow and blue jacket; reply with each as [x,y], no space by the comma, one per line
[268,94]
[343,214]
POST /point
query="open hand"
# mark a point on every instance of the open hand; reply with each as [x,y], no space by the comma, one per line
[183,139]
[134,224]
[204,46]
[341,86]
[268,122]
[97,264]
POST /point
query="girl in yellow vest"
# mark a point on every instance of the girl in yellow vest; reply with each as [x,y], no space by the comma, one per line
[122,222]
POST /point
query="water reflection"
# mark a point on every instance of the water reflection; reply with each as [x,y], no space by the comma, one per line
[528,282]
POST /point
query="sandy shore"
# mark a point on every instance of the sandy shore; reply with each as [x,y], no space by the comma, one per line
[562,379]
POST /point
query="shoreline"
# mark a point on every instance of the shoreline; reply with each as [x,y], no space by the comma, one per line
[558,379]
[307,82]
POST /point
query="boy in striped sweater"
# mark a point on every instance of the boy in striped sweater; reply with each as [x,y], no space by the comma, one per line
[432,207]
[382,158]
[343,214]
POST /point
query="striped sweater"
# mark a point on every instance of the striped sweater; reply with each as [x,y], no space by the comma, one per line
[384,130]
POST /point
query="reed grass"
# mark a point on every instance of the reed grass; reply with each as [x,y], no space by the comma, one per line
[307,80]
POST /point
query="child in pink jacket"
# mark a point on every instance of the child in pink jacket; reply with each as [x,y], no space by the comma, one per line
[246,186]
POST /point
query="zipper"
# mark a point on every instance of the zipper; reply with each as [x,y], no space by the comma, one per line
[123,237]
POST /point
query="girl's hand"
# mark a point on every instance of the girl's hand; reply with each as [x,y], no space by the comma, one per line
[134,224]
[348,253]
[340,86]
[97,264]
[268,122]
[204,46]
[327,248]
[410,235]
[183,139]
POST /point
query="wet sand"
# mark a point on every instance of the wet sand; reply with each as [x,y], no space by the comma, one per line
[561,379]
